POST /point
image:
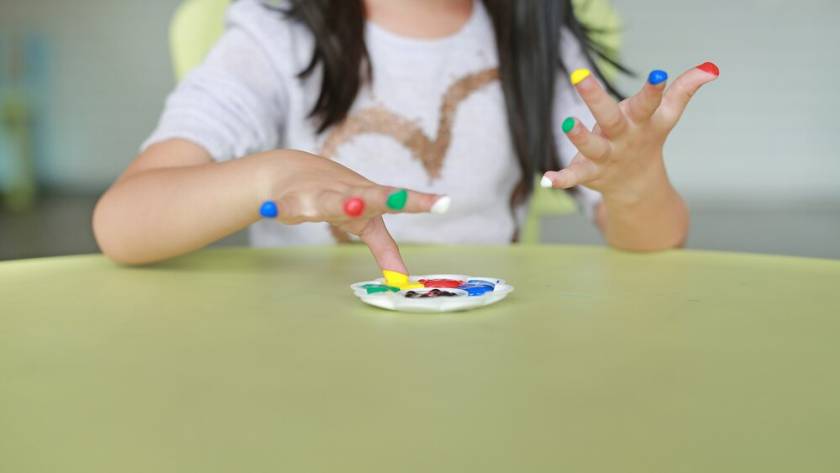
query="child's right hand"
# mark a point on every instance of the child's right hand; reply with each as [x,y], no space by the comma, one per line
[309,188]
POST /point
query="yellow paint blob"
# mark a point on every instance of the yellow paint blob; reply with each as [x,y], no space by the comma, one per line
[399,280]
[579,75]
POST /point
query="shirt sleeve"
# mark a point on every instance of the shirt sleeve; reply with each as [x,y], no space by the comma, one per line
[567,103]
[235,103]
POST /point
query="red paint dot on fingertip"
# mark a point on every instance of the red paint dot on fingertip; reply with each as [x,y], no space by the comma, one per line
[709,67]
[354,206]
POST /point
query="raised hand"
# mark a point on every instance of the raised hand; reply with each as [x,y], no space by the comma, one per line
[622,155]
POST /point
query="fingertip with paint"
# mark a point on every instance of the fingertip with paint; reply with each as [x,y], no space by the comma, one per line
[442,205]
[546,183]
[710,67]
[568,124]
[579,75]
[354,207]
[657,77]
[269,209]
[399,280]
[394,278]
[398,200]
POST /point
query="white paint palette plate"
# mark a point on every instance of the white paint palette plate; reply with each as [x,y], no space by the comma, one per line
[473,293]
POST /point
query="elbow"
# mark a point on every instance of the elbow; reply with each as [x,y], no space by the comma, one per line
[110,240]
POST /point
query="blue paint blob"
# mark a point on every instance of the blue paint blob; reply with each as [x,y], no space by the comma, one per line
[657,77]
[477,288]
[269,209]
[481,282]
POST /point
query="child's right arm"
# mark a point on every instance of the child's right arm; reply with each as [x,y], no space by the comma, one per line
[175,199]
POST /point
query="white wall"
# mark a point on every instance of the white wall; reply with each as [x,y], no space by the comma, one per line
[110,72]
[765,132]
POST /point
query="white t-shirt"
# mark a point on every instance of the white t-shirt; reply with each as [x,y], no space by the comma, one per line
[433,120]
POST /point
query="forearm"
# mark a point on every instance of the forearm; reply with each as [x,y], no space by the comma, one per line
[164,212]
[649,218]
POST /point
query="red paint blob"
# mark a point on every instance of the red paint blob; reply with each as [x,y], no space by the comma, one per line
[441,283]
[709,67]
[354,207]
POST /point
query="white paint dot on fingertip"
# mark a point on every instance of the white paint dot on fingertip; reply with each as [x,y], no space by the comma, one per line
[442,205]
[546,183]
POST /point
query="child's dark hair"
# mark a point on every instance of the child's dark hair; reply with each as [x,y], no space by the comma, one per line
[528,42]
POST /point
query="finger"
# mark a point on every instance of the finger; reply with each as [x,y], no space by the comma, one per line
[578,173]
[683,89]
[328,206]
[381,199]
[382,246]
[604,108]
[641,106]
[592,146]
[334,206]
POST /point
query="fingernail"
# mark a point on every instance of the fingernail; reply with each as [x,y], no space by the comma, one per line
[398,200]
[657,77]
[442,205]
[546,183]
[354,207]
[269,209]
[579,75]
[709,67]
[568,124]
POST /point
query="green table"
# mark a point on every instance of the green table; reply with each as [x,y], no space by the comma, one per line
[263,361]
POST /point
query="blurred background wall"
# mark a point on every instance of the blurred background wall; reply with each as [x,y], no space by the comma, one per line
[109,69]
[766,132]
[757,155]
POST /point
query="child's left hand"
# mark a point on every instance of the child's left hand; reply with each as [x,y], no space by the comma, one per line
[622,156]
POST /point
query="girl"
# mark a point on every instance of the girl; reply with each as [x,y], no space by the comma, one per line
[306,108]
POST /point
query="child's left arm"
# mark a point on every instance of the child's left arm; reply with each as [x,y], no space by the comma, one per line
[622,159]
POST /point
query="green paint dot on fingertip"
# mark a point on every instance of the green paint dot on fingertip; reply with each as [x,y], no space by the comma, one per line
[398,200]
[568,124]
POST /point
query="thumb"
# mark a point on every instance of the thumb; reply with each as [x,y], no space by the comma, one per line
[681,92]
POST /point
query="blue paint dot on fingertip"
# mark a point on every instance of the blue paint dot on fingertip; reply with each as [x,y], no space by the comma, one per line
[657,77]
[269,209]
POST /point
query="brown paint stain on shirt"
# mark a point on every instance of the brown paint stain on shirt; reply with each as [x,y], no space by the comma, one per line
[429,151]
[379,120]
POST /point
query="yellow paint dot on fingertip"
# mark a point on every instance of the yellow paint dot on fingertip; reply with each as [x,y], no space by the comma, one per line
[579,75]
[393,278]
[399,280]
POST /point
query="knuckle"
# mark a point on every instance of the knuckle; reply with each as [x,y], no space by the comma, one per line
[685,93]
[289,208]
[614,122]
[579,136]
[643,108]
[603,153]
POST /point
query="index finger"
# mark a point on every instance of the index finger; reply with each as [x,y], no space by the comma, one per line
[382,246]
